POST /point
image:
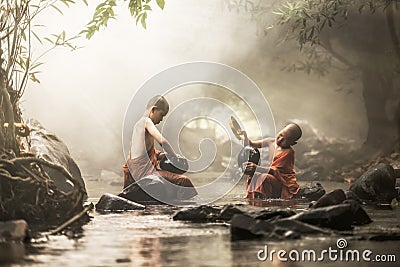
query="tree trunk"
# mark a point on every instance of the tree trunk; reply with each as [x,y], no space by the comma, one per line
[383,122]
[8,141]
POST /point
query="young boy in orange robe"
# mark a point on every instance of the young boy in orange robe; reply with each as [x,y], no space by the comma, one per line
[278,181]
[144,158]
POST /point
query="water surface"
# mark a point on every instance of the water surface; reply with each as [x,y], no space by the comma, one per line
[152,238]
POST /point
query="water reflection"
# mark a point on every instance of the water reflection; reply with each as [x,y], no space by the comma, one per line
[151,238]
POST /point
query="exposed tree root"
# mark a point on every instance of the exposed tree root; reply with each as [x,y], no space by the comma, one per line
[27,192]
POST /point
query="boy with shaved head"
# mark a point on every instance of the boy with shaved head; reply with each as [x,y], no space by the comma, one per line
[278,181]
[144,158]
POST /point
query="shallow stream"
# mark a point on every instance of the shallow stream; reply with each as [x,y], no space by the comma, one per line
[152,238]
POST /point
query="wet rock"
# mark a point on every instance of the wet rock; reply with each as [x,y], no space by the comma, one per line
[110,202]
[350,195]
[300,227]
[229,210]
[335,197]
[198,214]
[214,214]
[385,237]
[360,217]
[376,184]
[268,214]
[339,217]
[47,146]
[245,227]
[311,192]
[13,230]
[139,191]
[123,260]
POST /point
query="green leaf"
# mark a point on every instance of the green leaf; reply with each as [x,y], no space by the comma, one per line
[138,17]
[37,37]
[56,8]
[143,21]
[23,35]
[49,40]
[161,3]
[36,65]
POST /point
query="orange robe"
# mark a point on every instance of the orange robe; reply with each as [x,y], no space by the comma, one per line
[140,167]
[282,184]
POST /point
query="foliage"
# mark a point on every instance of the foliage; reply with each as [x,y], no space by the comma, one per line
[105,11]
[18,64]
[308,18]
[306,21]
[17,31]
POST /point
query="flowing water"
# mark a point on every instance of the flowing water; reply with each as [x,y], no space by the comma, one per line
[151,238]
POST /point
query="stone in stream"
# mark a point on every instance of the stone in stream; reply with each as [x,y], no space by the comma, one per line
[311,192]
[198,214]
[206,213]
[137,191]
[376,184]
[110,202]
[335,197]
[229,210]
[13,230]
[245,227]
[338,217]
[350,195]
[360,217]
[300,227]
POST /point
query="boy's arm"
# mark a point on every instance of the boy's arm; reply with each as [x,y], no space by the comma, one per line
[269,141]
[155,133]
[251,167]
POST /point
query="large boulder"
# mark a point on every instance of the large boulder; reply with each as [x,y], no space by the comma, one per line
[376,184]
[47,146]
[109,202]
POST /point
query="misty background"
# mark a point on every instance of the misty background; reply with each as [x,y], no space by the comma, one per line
[83,94]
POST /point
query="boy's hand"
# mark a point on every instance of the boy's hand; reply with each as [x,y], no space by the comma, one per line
[161,156]
[249,167]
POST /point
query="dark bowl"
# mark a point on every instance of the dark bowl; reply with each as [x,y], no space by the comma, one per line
[248,154]
[173,164]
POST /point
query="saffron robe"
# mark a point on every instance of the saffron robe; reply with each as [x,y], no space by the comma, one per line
[142,166]
[282,184]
